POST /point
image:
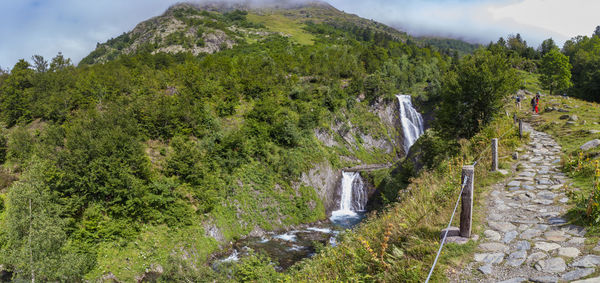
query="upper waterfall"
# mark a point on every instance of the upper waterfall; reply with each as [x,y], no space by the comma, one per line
[411,120]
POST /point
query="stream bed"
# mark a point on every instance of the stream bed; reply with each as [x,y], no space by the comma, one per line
[287,248]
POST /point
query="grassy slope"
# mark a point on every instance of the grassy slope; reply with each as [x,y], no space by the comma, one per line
[286,26]
[530,81]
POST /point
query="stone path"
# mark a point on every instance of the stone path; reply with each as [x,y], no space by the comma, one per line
[526,238]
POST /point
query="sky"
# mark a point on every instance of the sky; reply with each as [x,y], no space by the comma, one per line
[73,27]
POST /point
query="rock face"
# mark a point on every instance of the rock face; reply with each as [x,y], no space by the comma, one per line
[151,274]
[389,114]
[326,181]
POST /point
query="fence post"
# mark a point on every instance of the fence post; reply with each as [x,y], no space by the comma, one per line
[494,154]
[520,129]
[466,213]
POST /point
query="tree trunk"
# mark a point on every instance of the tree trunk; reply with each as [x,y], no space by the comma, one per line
[30,249]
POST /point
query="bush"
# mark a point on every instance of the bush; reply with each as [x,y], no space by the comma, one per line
[255,267]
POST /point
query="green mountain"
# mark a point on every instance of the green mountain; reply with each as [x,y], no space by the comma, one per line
[197,128]
[206,29]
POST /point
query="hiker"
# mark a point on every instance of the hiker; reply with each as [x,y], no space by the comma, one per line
[518,102]
[533,104]
[537,103]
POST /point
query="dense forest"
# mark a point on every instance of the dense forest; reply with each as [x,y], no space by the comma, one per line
[129,158]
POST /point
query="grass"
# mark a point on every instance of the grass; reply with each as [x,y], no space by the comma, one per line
[282,24]
[155,244]
[530,81]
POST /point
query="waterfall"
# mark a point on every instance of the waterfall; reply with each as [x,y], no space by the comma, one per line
[411,120]
[354,196]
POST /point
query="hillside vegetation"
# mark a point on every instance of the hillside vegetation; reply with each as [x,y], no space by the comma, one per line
[160,159]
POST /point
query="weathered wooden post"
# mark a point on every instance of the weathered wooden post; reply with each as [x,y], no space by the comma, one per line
[466,213]
[494,155]
[520,129]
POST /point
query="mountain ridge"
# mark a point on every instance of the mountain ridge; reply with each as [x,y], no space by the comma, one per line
[215,26]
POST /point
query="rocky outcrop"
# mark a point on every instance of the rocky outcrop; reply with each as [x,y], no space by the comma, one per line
[389,114]
[325,180]
[213,231]
[151,274]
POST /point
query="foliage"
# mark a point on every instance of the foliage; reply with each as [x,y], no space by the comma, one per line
[584,167]
[34,241]
[451,46]
[254,268]
[556,71]
[479,84]
[584,55]
[547,46]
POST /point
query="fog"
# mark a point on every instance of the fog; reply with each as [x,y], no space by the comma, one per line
[484,20]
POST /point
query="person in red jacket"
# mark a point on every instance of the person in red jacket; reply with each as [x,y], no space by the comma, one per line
[537,103]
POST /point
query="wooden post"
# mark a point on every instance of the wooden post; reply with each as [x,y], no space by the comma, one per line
[515,118]
[466,213]
[520,129]
[494,155]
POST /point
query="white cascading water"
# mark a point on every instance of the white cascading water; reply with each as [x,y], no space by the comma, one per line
[353,198]
[411,120]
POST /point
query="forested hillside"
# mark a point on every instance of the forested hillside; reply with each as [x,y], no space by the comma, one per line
[166,145]
[450,46]
[148,158]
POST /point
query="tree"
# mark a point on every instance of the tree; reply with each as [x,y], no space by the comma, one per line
[584,55]
[597,31]
[472,93]
[34,237]
[556,71]
[13,94]
[546,46]
[40,65]
[501,42]
[59,62]
[516,43]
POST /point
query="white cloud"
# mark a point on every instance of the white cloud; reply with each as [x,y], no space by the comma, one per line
[483,21]
[567,18]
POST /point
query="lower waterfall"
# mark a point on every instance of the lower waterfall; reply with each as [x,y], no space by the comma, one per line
[353,200]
